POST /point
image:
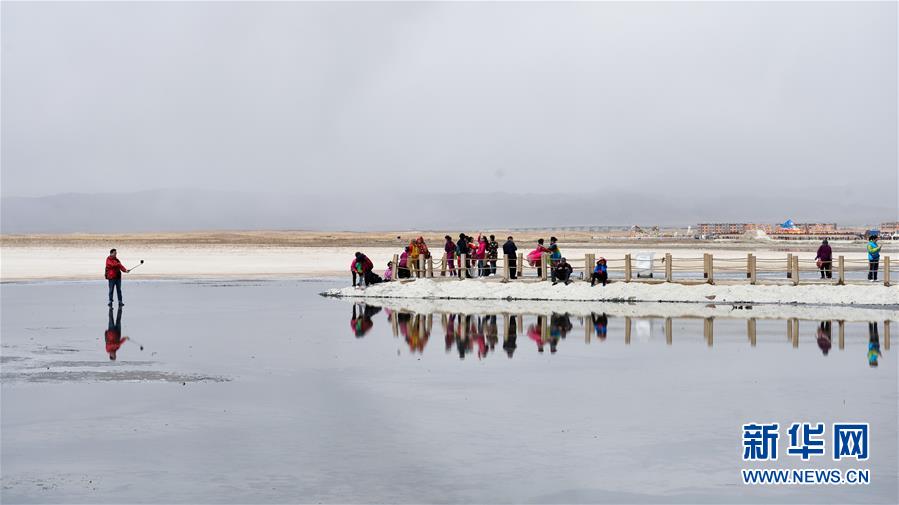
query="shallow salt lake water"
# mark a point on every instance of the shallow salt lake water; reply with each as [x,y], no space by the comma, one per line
[263,392]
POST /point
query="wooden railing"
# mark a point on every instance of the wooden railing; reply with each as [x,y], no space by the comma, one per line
[684,270]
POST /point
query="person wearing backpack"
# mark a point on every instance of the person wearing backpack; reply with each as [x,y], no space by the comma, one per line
[114,269]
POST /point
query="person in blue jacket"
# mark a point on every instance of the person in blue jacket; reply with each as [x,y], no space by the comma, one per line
[873,258]
[600,273]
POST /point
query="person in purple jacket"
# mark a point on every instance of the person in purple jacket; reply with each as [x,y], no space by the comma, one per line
[825,260]
[450,248]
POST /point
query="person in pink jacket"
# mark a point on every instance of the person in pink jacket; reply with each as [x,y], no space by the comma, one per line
[481,254]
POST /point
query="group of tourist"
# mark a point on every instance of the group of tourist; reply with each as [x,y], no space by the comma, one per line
[474,257]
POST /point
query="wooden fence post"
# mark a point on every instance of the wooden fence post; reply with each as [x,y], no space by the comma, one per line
[886,335]
[627,271]
[443,266]
[463,270]
[795,270]
[506,267]
[711,269]
[749,266]
[753,270]
[519,265]
[886,270]
[789,265]
[705,265]
[430,262]
[841,271]
[669,275]
[396,266]
[589,261]
[544,262]
[421,266]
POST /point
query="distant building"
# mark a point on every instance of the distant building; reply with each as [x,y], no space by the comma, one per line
[889,227]
[730,228]
[787,227]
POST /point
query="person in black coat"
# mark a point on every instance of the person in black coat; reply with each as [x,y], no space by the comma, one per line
[562,272]
[510,250]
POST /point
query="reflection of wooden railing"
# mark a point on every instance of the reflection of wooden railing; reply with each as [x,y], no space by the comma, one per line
[676,269]
[513,325]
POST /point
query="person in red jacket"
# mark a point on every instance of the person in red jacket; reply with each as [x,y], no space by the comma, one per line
[114,269]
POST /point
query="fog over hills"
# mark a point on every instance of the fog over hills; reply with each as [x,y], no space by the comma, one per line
[192,209]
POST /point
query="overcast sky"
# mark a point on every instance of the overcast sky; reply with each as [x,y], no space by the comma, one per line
[693,98]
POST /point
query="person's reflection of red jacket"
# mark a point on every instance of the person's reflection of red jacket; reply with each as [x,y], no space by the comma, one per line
[535,335]
[114,340]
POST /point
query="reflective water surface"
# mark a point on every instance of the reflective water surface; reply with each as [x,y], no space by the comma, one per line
[265,392]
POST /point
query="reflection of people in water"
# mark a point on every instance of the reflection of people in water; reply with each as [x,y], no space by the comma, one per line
[600,324]
[873,344]
[114,338]
[416,332]
[491,332]
[509,343]
[824,341]
[449,329]
[535,332]
[361,322]
[477,328]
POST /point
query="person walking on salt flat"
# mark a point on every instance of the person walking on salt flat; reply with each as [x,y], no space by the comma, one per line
[114,269]
[825,259]
[873,258]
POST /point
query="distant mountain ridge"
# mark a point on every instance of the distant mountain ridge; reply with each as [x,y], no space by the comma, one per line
[192,210]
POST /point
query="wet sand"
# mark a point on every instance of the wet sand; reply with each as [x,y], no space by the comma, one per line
[280,401]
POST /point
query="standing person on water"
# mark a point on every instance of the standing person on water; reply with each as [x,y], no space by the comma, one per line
[114,269]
